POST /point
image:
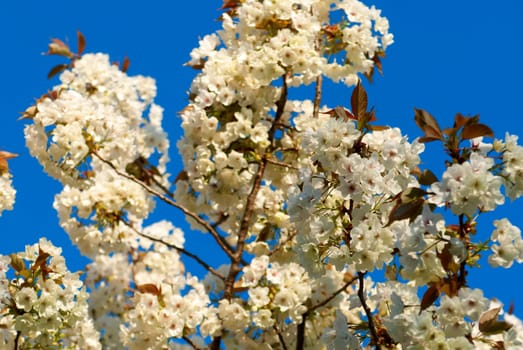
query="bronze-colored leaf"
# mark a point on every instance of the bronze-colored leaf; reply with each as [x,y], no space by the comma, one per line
[430,296]
[476,130]
[125,64]
[81,43]
[359,101]
[408,210]
[17,263]
[57,69]
[460,120]
[378,127]
[29,113]
[427,178]
[4,156]
[40,260]
[149,288]
[428,125]
[511,308]
[489,324]
[58,47]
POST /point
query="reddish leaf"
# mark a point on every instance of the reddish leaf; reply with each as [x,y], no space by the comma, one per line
[4,156]
[359,101]
[460,120]
[58,47]
[81,43]
[40,260]
[125,64]
[476,130]
[149,288]
[407,210]
[57,69]
[17,263]
[428,125]
[427,178]
[430,296]
[489,324]
[511,309]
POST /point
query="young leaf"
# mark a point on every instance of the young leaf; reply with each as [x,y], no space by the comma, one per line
[17,263]
[428,125]
[407,210]
[57,69]
[359,101]
[4,156]
[81,43]
[476,130]
[430,296]
[40,260]
[149,288]
[489,324]
[58,47]
[427,178]
[125,64]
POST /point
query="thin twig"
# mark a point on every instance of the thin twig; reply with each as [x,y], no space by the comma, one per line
[17,339]
[317,96]
[334,295]
[280,337]
[191,343]
[282,164]
[300,333]
[236,258]
[368,312]
[178,249]
[219,239]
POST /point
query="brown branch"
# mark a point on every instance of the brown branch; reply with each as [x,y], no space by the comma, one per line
[219,239]
[300,333]
[334,295]
[178,249]
[191,343]
[280,337]
[361,296]
[300,341]
[236,258]
[282,164]
[17,339]
[317,96]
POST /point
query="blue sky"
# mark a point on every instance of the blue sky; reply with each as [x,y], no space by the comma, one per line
[449,56]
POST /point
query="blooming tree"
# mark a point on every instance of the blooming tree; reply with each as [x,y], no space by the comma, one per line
[334,236]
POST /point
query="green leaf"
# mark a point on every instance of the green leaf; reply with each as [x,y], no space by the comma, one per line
[476,130]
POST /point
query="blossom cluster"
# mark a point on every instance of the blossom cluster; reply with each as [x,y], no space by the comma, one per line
[99,114]
[306,201]
[43,305]
[7,192]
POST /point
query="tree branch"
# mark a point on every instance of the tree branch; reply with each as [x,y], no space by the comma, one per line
[236,258]
[282,164]
[178,249]
[280,337]
[300,333]
[219,239]
[317,96]
[191,343]
[361,295]
[334,295]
